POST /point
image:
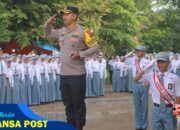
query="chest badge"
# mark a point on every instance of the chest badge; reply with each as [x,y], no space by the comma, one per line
[170,86]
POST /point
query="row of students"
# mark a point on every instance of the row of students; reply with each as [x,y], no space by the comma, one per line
[31,81]
[96,75]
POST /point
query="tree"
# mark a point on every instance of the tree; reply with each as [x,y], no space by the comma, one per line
[23,20]
[116,23]
[162,26]
[119,26]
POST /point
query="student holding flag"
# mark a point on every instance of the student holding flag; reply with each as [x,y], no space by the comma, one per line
[140,93]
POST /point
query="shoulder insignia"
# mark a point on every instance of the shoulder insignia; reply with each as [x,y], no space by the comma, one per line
[89,39]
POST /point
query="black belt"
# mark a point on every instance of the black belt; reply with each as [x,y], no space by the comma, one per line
[158,105]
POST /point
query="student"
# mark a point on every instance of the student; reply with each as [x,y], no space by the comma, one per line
[2,78]
[165,90]
[140,94]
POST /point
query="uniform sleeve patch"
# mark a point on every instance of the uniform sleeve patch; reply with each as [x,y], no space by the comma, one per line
[89,39]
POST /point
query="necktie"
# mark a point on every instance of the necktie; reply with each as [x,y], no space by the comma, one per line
[139,60]
[162,100]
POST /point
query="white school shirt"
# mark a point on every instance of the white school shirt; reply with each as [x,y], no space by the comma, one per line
[9,75]
[102,70]
[143,63]
[2,62]
[44,69]
[175,65]
[57,67]
[27,68]
[35,72]
[51,69]
[116,65]
[88,67]
[14,66]
[95,66]
[171,83]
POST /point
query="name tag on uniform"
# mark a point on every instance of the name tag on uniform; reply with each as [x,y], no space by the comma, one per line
[170,85]
[74,40]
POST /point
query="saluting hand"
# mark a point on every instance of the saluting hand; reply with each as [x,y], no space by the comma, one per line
[52,20]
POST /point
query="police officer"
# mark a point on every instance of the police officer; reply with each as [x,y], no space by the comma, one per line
[162,115]
[75,43]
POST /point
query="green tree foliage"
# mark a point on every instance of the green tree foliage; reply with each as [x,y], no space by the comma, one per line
[4,23]
[162,27]
[23,20]
[119,25]
[115,22]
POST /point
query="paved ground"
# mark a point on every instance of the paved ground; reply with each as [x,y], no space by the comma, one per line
[112,112]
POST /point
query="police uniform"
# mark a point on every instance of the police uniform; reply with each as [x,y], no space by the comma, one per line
[162,114]
[73,72]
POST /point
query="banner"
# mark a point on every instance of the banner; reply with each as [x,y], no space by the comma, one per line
[19,116]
